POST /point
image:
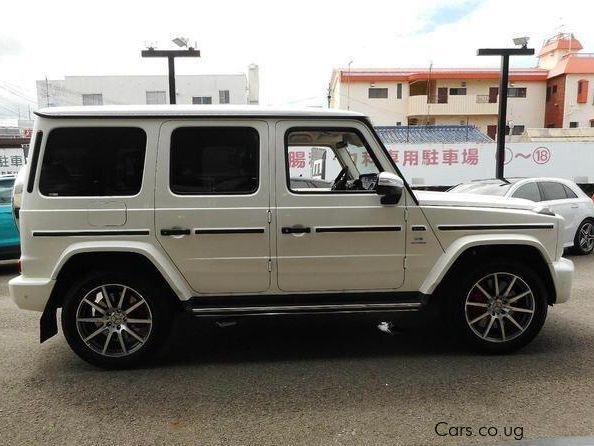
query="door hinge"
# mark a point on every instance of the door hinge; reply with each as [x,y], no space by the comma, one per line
[405,262]
[269,216]
[269,265]
[405,214]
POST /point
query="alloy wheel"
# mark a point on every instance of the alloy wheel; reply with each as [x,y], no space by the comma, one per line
[586,237]
[499,307]
[114,320]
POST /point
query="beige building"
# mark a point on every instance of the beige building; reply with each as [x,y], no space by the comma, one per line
[469,96]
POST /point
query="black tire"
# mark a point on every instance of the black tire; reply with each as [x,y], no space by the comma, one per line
[156,308]
[497,340]
[579,247]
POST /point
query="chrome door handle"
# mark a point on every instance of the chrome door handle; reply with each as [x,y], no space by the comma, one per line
[295,230]
[175,231]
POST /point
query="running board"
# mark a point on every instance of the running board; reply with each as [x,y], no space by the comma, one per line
[305,304]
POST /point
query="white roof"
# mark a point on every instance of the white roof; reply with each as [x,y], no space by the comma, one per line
[189,110]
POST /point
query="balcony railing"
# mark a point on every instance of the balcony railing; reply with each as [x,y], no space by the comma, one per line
[483,99]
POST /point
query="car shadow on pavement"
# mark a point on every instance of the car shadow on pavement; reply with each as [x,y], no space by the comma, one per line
[304,338]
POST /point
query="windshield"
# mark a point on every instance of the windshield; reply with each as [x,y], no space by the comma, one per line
[482,188]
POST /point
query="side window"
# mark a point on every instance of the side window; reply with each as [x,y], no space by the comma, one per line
[552,191]
[569,192]
[214,160]
[93,161]
[528,191]
[330,160]
[6,191]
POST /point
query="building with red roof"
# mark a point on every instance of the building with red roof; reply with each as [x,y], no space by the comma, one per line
[555,93]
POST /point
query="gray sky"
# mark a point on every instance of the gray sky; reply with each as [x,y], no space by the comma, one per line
[296,43]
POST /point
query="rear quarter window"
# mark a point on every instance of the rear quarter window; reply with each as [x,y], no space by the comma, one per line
[569,192]
[93,161]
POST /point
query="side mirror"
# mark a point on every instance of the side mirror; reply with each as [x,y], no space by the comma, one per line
[390,187]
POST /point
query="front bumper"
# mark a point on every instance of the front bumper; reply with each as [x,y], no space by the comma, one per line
[29,293]
[563,276]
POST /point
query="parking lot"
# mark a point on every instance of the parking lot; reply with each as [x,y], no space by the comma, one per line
[302,382]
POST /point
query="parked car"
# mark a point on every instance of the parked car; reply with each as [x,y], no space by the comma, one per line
[129,214]
[10,247]
[563,197]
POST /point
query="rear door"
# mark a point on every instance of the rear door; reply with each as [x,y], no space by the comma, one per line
[212,203]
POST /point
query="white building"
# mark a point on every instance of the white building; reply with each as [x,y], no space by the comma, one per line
[135,90]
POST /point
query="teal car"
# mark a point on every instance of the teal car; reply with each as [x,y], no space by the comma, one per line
[10,243]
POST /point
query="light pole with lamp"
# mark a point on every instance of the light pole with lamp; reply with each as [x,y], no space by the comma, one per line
[505,53]
[171,55]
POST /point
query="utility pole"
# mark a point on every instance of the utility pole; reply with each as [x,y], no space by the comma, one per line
[505,53]
[171,55]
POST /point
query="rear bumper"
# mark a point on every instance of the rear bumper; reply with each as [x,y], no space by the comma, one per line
[563,276]
[29,293]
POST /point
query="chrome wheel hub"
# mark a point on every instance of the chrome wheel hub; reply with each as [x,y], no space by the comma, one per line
[114,320]
[499,307]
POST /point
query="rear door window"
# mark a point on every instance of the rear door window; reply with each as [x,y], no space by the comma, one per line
[528,191]
[552,191]
[214,160]
[93,161]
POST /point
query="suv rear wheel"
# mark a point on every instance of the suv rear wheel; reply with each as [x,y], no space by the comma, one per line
[115,320]
[499,307]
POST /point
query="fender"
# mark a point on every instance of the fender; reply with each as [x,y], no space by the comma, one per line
[459,246]
[161,261]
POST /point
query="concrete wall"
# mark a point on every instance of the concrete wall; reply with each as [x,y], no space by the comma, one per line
[381,111]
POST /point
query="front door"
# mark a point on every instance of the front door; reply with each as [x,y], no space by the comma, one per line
[332,232]
[212,203]
[442,95]
[493,93]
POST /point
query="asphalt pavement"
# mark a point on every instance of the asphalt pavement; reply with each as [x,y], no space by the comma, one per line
[306,382]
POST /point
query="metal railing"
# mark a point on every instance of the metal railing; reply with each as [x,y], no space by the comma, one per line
[483,99]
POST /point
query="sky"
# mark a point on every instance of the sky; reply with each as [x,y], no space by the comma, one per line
[296,43]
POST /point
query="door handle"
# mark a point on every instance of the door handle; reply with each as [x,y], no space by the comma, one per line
[173,231]
[574,206]
[295,230]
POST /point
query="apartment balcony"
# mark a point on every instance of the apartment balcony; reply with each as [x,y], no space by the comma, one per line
[456,105]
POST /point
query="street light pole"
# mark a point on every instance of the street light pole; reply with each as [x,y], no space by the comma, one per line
[505,53]
[171,55]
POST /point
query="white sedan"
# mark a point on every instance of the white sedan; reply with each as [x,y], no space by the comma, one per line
[563,197]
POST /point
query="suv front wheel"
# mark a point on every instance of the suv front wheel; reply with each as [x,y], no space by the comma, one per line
[499,306]
[115,320]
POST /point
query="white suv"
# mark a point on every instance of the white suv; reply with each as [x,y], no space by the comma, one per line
[129,214]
